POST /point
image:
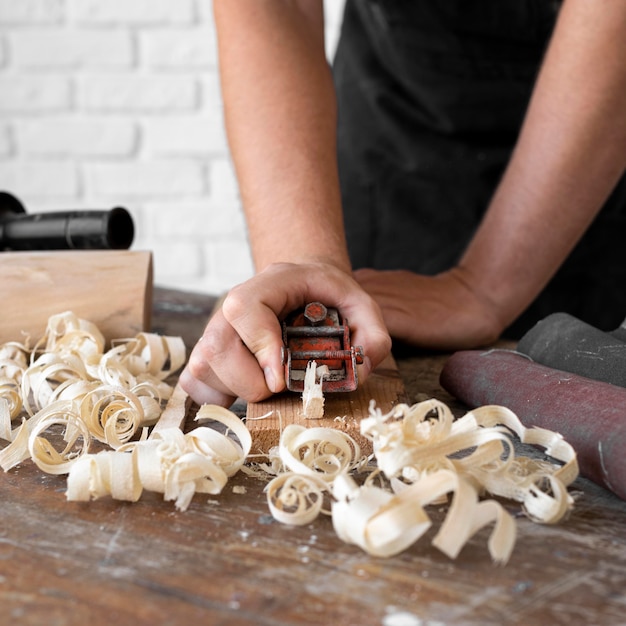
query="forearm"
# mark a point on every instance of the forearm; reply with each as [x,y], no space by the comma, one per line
[280,118]
[570,154]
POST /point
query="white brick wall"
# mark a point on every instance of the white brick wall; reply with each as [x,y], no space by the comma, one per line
[109,102]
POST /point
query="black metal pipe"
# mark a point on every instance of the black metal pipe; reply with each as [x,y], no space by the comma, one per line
[63,230]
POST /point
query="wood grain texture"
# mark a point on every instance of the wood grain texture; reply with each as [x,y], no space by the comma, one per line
[112,288]
[343,411]
[225,561]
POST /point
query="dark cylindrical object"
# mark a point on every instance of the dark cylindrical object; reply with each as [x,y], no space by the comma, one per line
[564,342]
[590,415]
[63,230]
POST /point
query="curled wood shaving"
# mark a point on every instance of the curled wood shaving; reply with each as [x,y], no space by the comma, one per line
[169,462]
[323,453]
[413,441]
[112,395]
[310,459]
[426,456]
[42,451]
[5,419]
[66,332]
[384,523]
[107,473]
[296,499]
[13,362]
[114,414]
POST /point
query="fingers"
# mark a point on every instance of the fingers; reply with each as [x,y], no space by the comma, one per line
[220,368]
[255,308]
[255,318]
[199,389]
[240,351]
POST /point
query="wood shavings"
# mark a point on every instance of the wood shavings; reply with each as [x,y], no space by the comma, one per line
[41,449]
[383,523]
[66,332]
[231,454]
[312,395]
[68,390]
[106,473]
[414,441]
[311,459]
[5,419]
[110,396]
[320,452]
[13,362]
[169,462]
[295,499]
[426,456]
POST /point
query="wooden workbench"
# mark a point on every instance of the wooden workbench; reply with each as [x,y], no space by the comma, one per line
[225,561]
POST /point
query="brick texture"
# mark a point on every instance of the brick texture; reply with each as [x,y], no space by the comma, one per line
[179,48]
[71,48]
[135,12]
[39,179]
[197,134]
[26,93]
[146,179]
[117,102]
[76,136]
[147,93]
[29,12]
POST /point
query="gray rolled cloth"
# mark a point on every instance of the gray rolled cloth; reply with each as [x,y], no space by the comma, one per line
[563,342]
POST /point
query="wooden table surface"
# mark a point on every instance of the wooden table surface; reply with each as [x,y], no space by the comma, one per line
[226,561]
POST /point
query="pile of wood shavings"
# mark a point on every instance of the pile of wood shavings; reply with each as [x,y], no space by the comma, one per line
[67,390]
[423,456]
[169,462]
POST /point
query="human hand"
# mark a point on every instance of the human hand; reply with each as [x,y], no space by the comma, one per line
[239,353]
[441,312]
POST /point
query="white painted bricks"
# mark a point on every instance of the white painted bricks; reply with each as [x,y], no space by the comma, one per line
[117,102]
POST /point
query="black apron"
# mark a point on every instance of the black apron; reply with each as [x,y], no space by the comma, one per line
[431,97]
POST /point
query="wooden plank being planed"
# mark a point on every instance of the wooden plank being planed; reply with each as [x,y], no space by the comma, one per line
[342,411]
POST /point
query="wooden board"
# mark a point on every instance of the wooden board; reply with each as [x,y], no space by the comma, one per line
[342,411]
[225,561]
[112,288]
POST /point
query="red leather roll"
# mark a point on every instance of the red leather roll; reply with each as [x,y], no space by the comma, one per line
[590,415]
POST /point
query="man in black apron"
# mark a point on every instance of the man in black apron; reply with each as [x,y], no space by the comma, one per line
[441,89]
[474,169]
